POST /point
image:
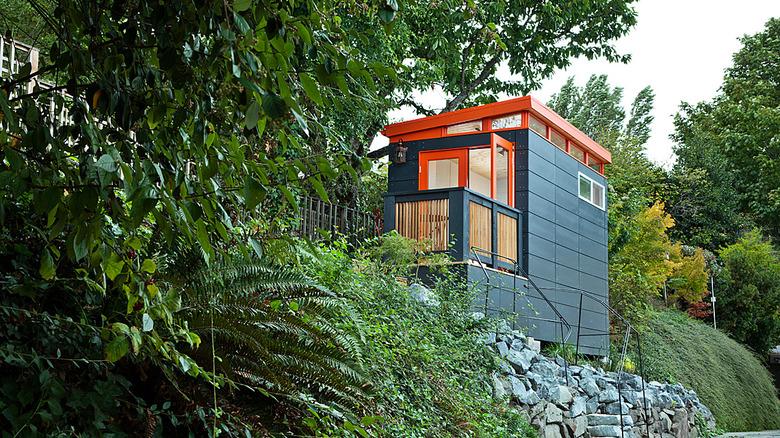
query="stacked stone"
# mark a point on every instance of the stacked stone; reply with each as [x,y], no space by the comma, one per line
[588,403]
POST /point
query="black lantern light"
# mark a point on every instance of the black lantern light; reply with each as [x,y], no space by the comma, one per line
[399,154]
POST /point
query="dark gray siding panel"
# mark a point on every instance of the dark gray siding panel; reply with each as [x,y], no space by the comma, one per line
[579,231]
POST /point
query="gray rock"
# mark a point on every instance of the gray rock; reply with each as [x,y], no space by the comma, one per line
[606,431]
[631,397]
[502,348]
[520,360]
[423,295]
[533,344]
[545,368]
[489,338]
[499,387]
[615,408]
[552,414]
[518,386]
[592,405]
[608,396]
[603,420]
[522,393]
[589,386]
[666,422]
[551,431]
[578,407]
[560,395]
[577,426]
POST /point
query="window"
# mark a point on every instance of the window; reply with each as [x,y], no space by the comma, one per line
[577,153]
[473,126]
[557,139]
[594,163]
[442,169]
[443,173]
[591,191]
[511,121]
[537,126]
[487,170]
[479,170]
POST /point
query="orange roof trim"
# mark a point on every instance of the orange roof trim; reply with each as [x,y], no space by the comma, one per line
[426,127]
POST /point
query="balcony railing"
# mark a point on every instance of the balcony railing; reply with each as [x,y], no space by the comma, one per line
[456,220]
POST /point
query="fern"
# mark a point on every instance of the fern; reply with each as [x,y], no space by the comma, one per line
[271,328]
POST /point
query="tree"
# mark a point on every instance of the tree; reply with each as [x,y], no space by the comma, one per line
[735,140]
[187,121]
[459,46]
[748,306]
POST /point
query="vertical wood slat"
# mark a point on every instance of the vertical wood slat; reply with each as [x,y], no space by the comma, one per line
[480,227]
[507,238]
[426,220]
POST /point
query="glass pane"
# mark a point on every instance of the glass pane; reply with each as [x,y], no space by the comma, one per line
[594,164]
[472,126]
[479,170]
[502,175]
[585,188]
[443,173]
[512,121]
[577,153]
[558,140]
[537,126]
[598,195]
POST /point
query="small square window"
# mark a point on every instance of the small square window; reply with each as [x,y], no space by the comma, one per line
[511,121]
[537,126]
[473,126]
[591,191]
[577,153]
[558,140]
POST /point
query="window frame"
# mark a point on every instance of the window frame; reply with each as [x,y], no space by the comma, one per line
[462,154]
[603,206]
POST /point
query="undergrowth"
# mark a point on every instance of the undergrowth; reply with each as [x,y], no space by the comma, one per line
[430,373]
[728,378]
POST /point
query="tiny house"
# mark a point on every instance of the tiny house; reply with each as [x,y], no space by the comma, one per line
[517,196]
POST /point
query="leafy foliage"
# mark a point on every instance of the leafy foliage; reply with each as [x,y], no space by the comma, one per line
[726,376]
[734,140]
[430,370]
[271,328]
[748,306]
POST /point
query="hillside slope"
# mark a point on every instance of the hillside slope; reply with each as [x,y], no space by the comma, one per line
[727,377]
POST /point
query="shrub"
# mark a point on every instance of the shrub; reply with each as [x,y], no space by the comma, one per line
[429,370]
[748,305]
[728,378]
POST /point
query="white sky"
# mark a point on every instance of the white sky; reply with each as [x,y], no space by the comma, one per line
[679,47]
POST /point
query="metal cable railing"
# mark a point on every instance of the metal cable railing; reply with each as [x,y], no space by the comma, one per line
[627,327]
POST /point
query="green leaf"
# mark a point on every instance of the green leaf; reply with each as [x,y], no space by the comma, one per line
[311,88]
[149,266]
[254,193]
[289,197]
[258,249]
[117,348]
[184,363]
[241,5]
[252,115]
[315,182]
[113,266]
[48,268]
[148,323]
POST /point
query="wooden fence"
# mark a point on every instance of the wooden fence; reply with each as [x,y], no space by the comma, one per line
[320,219]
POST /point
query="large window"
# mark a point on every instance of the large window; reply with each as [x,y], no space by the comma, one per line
[591,191]
[487,170]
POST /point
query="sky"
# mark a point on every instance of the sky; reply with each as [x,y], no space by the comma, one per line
[678,47]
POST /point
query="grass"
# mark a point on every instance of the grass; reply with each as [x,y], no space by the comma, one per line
[728,378]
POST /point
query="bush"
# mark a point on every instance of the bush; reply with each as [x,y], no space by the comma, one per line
[728,378]
[429,370]
[749,293]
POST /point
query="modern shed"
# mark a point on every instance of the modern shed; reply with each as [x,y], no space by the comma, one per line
[517,196]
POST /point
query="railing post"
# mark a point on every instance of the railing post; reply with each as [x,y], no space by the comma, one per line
[579,327]
[494,259]
[458,217]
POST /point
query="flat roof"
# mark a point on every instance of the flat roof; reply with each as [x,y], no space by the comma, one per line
[500,109]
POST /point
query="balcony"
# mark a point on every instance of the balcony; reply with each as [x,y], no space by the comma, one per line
[460,221]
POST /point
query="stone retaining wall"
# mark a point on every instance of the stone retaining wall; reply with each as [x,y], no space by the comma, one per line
[593,403]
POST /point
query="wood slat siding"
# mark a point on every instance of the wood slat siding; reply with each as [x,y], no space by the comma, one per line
[480,227]
[507,238]
[427,220]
